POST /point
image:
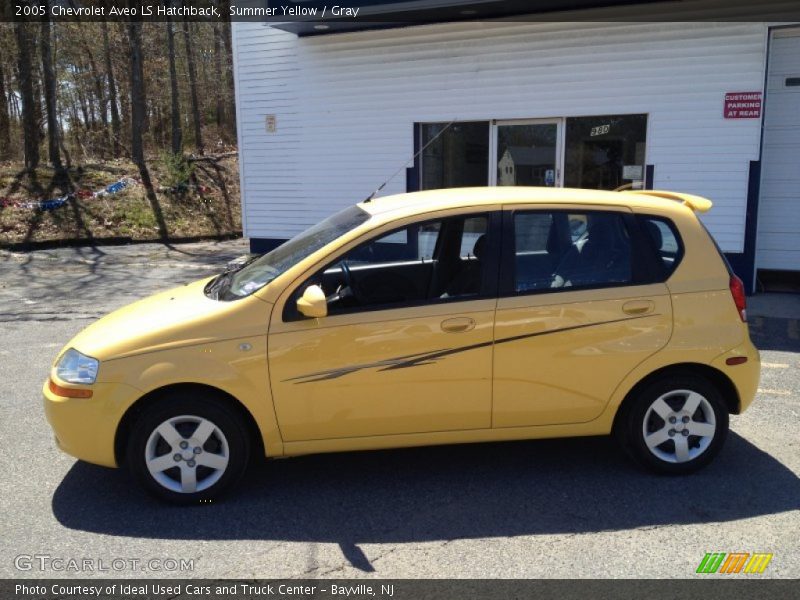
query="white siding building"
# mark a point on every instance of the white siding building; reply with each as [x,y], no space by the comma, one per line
[325,119]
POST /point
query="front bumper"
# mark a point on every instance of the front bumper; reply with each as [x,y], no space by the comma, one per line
[86,427]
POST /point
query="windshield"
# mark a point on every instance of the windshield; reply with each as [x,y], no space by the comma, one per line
[258,273]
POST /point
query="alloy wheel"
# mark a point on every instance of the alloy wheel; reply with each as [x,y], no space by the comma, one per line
[679,426]
[187,454]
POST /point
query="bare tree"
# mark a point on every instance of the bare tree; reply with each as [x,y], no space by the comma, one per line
[229,88]
[116,129]
[218,89]
[177,132]
[198,133]
[138,113]
[5,121]
[99,92]
[50,91]
[30,126]
[138,102]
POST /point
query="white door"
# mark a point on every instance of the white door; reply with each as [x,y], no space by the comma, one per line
[526,153]
[778,244]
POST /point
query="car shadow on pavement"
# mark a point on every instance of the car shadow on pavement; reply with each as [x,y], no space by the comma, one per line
[441,493]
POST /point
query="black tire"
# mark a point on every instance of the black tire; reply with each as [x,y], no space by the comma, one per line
[229,439]
[630,424]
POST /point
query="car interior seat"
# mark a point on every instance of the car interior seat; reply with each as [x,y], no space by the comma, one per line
[468,280]
[603,257]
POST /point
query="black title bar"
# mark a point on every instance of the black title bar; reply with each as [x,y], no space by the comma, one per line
[739,587]
[348,14]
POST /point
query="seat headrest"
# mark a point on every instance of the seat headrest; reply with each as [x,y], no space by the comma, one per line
[655,234]
[600,238]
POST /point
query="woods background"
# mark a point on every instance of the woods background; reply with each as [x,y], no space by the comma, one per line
[69,91]
[82,103]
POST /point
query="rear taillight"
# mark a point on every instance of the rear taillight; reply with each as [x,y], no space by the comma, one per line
[737,291]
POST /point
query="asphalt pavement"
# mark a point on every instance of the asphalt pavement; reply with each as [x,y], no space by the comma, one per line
[555,508]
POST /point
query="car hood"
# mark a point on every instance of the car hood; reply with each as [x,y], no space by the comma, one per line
[178,317]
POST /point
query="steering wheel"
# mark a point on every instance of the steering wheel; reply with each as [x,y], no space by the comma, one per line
[350,282]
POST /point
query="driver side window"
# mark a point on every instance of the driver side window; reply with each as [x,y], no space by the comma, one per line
[430,261]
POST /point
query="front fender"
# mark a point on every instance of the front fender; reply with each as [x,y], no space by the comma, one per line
[237,367]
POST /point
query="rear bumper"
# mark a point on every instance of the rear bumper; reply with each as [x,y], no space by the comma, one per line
[745,376]
[86,427]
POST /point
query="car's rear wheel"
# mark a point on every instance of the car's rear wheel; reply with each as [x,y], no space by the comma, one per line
[188,450]
[675,424]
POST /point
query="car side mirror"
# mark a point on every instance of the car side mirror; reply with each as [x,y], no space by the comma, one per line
[313,303]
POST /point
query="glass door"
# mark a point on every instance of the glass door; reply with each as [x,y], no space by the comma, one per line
[527,153]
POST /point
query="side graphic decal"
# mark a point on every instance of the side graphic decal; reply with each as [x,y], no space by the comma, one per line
[426,358]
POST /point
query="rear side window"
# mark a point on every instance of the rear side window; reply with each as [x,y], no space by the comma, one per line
[564,249]
[665,241]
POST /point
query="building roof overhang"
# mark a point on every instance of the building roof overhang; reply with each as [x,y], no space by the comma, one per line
[382,14]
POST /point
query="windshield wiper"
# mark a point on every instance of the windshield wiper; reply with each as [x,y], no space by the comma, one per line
[214,287]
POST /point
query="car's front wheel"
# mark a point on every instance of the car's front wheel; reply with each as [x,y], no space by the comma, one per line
[676,424]
[188,450]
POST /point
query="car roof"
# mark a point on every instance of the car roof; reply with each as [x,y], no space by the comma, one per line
[416,202]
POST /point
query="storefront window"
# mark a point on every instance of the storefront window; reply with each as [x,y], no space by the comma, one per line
[459,157]
[606,152]
[600,152]
[527,154]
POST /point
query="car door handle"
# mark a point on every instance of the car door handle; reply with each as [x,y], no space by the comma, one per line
[638,307]
[458,324]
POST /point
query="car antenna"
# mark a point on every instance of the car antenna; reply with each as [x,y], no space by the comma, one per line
[412,159]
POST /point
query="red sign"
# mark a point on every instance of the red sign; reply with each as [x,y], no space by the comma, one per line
[742,105]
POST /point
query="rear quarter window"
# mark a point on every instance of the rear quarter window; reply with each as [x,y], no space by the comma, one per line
[665,241]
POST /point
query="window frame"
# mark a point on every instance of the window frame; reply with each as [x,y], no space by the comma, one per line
[490,280]
[641,261]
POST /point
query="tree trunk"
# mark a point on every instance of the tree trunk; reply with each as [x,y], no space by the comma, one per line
[74,119]
[138,113]
[219,90]
[87,120]
[177,132]
[116,129]
[231,100]
[89,98]
[36,78]
[50,92]
[125,112]
[198,134]
[99,93]
[138,107]
[61,135]
[30,128]
[5,121]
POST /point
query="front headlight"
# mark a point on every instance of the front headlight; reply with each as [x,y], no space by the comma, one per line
[74,367]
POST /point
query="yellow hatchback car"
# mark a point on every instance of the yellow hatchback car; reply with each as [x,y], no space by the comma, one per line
[437,317]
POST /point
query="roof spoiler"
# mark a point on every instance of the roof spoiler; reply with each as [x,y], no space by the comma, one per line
[696,203]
